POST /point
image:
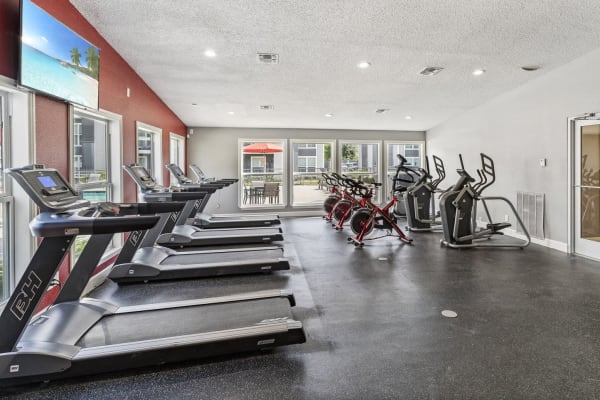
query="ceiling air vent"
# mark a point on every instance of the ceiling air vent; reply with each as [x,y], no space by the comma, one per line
[267,107]
[429,71]
[382,110]
[267,58]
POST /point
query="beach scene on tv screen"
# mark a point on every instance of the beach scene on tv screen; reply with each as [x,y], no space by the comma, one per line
[57,61]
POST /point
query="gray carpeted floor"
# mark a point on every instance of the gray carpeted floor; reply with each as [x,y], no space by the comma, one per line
[528,327]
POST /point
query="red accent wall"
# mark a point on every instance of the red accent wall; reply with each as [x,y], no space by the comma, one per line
[9,37]
[115,77]
[51,115]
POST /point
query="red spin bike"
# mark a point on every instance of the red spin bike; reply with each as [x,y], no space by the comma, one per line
[345,207]
[333,182]
[371,216]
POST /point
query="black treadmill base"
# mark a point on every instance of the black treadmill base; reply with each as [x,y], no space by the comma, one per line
[193,273]
[153,357]
[232,240]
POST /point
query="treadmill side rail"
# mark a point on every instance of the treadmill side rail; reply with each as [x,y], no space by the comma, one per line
[261,333]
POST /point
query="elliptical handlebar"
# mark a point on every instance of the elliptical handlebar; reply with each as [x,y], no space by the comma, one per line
[410,175]
[488,171]
[440,170]
[402,159]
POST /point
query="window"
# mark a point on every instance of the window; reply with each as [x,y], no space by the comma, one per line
[309,160]
[360,160]
[16,109]
[262,161]
[258,164]
[411,151]
[91,157]
[96,161]
[5,201]
[177,150]
[149,149]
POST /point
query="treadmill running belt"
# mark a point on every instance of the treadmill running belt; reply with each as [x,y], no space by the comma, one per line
[242,256]
[236,233]
[147,325]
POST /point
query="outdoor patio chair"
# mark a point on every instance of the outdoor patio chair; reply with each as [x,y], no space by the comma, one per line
[271,191]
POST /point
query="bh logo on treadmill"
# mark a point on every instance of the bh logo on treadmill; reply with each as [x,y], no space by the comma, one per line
[134,237]
[25,295]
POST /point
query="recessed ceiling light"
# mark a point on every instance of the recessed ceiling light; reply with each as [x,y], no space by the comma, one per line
[382,110]
[210,53]
[530,68]
[430,71]
[230,112]
[478,72]
[408,117]
[329,115]
[363,65]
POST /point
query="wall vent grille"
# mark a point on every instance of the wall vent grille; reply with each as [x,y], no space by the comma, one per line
[267,58]
[530,207]
[430,71]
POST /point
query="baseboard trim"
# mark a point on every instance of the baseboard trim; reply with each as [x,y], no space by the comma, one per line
[553,244]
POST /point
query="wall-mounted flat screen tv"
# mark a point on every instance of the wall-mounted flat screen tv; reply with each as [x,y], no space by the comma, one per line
[55,60]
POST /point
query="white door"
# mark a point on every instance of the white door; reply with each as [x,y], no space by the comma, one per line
[587,188]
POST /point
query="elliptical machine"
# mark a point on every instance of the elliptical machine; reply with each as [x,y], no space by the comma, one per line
[419,198]
[405,176]
[458,209]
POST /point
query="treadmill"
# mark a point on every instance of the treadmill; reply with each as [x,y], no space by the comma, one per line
[208,221]
[140,260]
[184,235]
[202,177]
[87,336]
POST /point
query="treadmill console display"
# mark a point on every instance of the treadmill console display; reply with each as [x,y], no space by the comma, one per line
[47,181]
[142,175]
[47,188]
[178,173]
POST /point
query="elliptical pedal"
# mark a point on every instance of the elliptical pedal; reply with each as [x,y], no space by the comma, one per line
[498,226]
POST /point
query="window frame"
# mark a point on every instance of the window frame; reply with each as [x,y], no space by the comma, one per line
[341,142]
[6,198]
[308,144]
[156,148]
[388,183]
[76,142]
[180,150]
[284,173]
[114,160]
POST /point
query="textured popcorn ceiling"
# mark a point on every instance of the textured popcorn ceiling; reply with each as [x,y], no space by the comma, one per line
[320,42]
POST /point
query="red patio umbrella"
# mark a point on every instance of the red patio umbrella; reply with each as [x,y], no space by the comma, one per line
[262,148]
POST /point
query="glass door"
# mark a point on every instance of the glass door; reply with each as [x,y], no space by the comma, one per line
[587,189]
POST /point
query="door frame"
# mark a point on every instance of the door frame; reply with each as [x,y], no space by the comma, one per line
[571,204]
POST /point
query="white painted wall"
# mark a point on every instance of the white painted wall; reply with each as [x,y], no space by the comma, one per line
[215,150]
[519,128]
